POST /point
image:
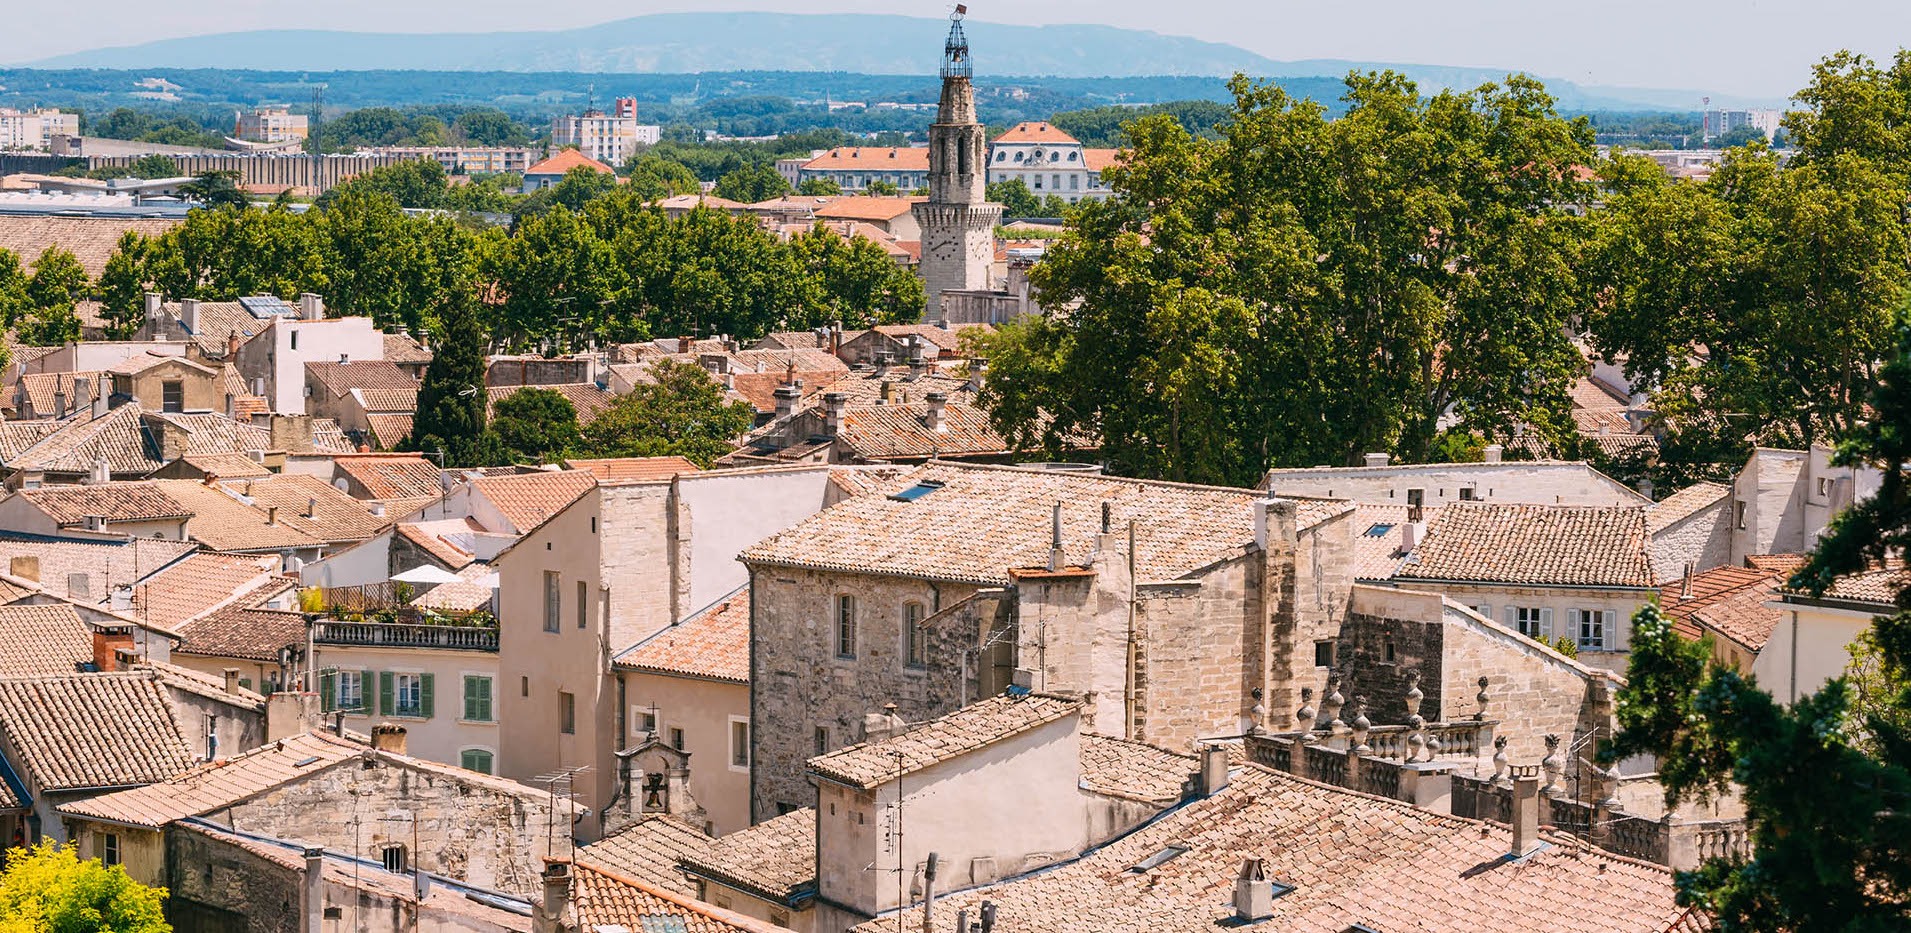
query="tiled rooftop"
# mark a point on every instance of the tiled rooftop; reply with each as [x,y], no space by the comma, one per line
[877,432]
[402,348]
[1350,859]
[240,631]
[648,851]
[69,506]
[1878,587]
[43,640]
[91,240]
[634,469]
[391,476]
[527,499]
[605,899]
[92,730]
[1134,770]
[872,764]
[982,521]
[1683,504]
[201,582]
[1563,545]
[101,564]
[589,400]
[713,644]
[775,858]
[225,465]
[1380,533]
[339,378]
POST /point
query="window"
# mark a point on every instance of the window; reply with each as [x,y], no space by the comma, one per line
[646,720]
[1072,155]
[351,690]
[915,638]
[1593,625]
[1824,487]
[172,395]
[524,685]
[409,696]
[1485,610]
[1738,514]
[394,858]
[109,848]
[1001,155]
[295,340]
[475,759]
[1323,654]
[1074,181]
[552,598]
[740,743]
[1378,529]
[583,606]
[567,713]
[1532,621]
[1416,498]
[822,740]
[1038,182]
[846,626]
[1468,494]
[1055,181]
[1387,653]
[477,699]
[676,738]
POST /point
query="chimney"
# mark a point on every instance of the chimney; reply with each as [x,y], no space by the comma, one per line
[929,892]
[934,420]
[232,345]
[684,343]
[1274,524]
[1409,536]
[291,712]
[1494,453]
[1253,895]
[833,403]
[978,371]
[232,406]
[152,302]
[378,510]
[389,737]
[1055,538]
[189,314]
[172,439]
[880,726]
[786,396]
[232,679]
[100,474]
[1377,459]
[121,599]
[311,307]
[918,360]
[100,394]
[1526,801]
[1685,584]
[312,892]
[836,339]
[59,401]
[557,898]
[25,566]
[271,515]
[107,645]
[311,507]
[1214,769]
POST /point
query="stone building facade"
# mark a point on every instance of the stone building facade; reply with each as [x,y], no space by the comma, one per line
[958,223]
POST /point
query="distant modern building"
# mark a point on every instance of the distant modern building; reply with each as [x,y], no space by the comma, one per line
[35,129]
[270,125]
[607,137]
[465,160]
[1717,123]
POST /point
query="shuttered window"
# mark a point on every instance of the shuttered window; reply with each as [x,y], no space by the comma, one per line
[477,699]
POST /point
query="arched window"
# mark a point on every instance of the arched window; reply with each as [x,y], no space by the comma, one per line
[475,759]
[1001,155]
[1072,155]
[1018,157]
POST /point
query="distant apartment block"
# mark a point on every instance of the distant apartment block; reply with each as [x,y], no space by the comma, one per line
[464,160]
[269,125]
[607,137]
[35,129]
[1717,123]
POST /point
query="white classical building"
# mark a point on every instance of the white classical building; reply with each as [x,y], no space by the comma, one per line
[1048,161]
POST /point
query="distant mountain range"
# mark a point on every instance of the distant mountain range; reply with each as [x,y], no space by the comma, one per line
[856,43]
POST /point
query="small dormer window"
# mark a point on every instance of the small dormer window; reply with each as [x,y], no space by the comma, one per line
[1001,155]
[1166,855]
[1072,155]
[1018,157]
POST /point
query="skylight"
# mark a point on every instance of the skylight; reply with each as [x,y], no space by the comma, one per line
[1167,854]
[1378,531]
[917,491]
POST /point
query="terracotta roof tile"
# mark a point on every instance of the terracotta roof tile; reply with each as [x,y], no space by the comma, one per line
[775,858]
[866,208]
[445,552]
[527,499]
[1569,545]
[43,640]
[1587,392]
[1134,770]
[564,161]
[1380,535]
[389,430]
[92,730]
[402,348]
[634,469]
[1878,587]
[606,899]
[1349,858]
[1742,615]
[1034,132]
[1786,564]
[395,476]
[339,378]
[981,521]
[101,564]
[243,632]
[202,582]
[1096,160]
[17,436]
[91,240]
[872,764]
[69,506]
[713,643]
[1708,587]
[648,851]
[871,159]
[388,401]
[47,392]
[232,465]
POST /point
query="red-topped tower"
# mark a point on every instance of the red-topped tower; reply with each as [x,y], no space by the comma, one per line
[958,222]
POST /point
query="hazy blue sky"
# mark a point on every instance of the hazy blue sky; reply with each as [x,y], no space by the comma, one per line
[1759,47]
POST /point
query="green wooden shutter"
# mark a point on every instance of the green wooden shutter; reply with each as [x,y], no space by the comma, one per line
[367,681]
[470,699]
[328,690]
[427,693]
[484,696]
[385,692]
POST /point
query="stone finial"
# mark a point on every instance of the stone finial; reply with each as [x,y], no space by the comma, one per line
[1553,765]
[1608,779]
[1481,699]
[1257,714]
[1330,705]
[1414,695]
[1361,724]
[1304,717]
[1502,768]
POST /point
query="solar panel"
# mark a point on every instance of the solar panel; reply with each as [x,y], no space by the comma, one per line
[264,306]
[917,491]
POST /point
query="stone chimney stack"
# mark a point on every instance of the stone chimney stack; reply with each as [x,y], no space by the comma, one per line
[189,314]
[389,737]
[152,302]
[1055,558]
[556,906]
[1214,769]
[312,893]
[1494,453]
[879,726]
[59,401]
[833,404]
[918,359]
[1377,459]
[1253,895]
[978,371]
[1274,524]
[1526,803]
[311,307]
[786,397]
[934,420]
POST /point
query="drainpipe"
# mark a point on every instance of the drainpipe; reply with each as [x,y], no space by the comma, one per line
[1128,675]
[1794,678]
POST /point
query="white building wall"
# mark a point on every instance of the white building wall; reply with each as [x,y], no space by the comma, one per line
[1520,481]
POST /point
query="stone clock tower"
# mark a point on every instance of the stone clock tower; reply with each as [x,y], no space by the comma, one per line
[958,223]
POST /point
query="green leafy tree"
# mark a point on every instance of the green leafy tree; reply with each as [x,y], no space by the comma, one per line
[215,189]
[1826,799]
[451,398]
[47,889]
[413,183]
[1742,136]
[578,187]
[682,412]
[1015,198]
[819,187]
[535,425]
[858,283]
[489,128]
[122,287]
[877,188]
[750,185]
[53,294]
[653,178]
[14,303]
[1305,289]
[155,166]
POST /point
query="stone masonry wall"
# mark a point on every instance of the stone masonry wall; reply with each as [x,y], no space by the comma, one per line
[465,830]
[1704,538]
[1375,655]
[221,888]
[798,684]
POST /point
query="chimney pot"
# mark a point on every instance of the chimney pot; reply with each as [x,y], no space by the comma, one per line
[1494,453]
[1378,459]
[389,737]
[1526,801]
[937,403]
[1214,769]
[271,515]
[1253,895]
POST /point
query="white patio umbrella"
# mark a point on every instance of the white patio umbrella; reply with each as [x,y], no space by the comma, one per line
[425,573]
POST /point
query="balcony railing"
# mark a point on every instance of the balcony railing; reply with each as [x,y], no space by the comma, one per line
[399,635]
